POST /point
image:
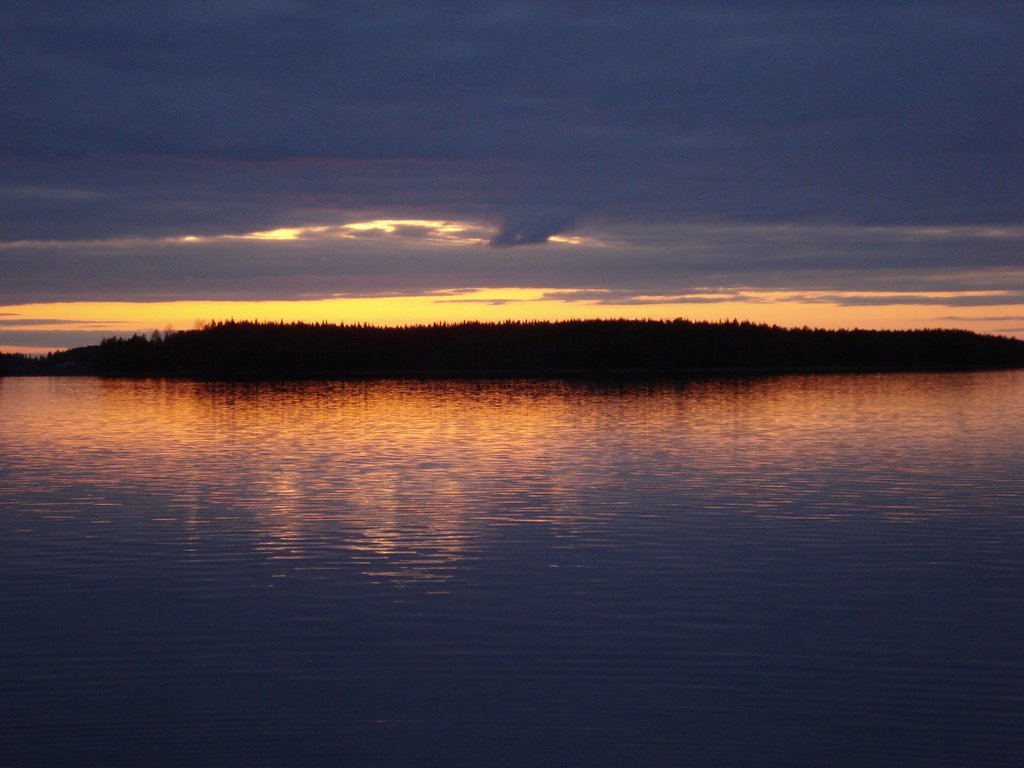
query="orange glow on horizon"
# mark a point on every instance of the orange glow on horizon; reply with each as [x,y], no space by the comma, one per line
[788,309]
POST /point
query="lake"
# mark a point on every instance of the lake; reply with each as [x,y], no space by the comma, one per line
[780,571]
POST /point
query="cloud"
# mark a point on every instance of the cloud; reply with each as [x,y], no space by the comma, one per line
[992,318]
[531,227]
[57,338]
[631,298]
[953,299]
[672,109]
[488,302]
[843,299]
[22,323]
[619,262]
[732,145]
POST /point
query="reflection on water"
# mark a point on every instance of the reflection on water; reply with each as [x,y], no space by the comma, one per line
[783,571]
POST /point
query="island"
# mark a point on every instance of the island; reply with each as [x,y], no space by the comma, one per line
[277,350]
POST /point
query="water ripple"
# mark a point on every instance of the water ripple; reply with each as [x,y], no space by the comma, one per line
[781,571]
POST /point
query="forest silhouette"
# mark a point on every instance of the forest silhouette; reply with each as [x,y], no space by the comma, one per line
[261,350]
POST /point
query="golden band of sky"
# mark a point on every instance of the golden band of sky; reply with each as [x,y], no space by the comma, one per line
[498,304]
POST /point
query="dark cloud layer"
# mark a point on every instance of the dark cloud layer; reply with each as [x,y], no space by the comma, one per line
[156,120]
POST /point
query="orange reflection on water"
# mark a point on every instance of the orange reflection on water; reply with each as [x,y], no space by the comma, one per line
[415,474]
[407,481]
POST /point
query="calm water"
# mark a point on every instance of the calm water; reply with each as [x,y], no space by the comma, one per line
[795,571]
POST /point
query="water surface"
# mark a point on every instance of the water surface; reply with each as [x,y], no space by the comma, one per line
[791,571]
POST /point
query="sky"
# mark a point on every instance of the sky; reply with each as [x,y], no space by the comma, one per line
[853,164]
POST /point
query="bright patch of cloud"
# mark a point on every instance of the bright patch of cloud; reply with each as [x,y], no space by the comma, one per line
[286,233]
[421,230]
[452,232]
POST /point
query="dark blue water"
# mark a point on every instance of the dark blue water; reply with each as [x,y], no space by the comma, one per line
[796,571]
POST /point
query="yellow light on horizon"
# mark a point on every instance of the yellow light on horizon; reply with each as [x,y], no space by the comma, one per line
[788,309]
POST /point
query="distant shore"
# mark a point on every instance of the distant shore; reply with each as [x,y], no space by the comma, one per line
[566,349]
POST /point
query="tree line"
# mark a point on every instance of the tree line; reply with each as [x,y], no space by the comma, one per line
[235,349]
[257,350]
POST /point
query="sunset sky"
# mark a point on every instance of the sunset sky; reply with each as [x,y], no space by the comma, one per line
[825,164]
